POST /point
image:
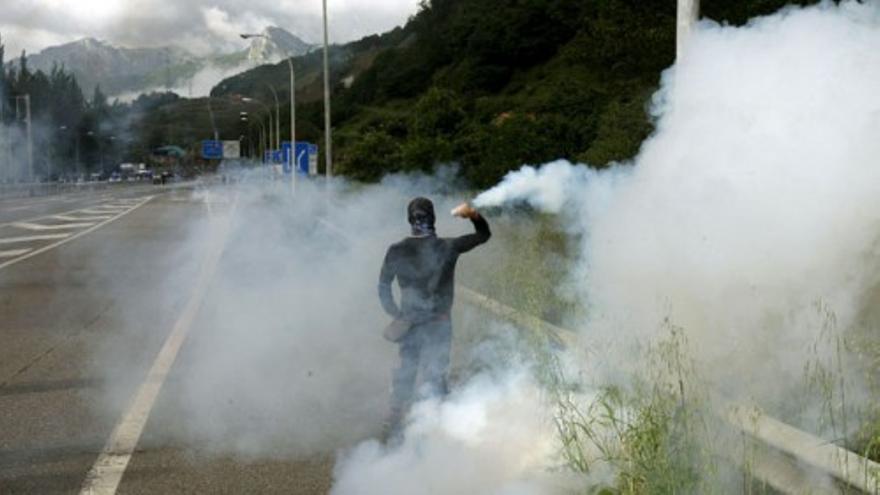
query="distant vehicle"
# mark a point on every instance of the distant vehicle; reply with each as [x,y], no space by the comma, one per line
[115,177]
[162,178]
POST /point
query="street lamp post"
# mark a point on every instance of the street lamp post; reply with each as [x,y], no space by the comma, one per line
[213,122]
[112,152]
[76,145]
[268,111]
[292,103]
[291,158]
[277,117]
[328,153]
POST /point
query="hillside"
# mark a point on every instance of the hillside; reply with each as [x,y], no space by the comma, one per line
[491,86]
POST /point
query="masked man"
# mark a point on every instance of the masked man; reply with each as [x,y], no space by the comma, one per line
[424,266]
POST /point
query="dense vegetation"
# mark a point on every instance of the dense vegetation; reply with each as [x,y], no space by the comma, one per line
[493,85]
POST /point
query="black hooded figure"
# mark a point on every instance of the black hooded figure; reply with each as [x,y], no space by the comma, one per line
[424,266]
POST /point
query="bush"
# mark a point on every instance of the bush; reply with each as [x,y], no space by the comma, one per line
[439,112]
[371,156]
[423,153]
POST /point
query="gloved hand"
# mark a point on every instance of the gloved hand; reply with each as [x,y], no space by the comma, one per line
[465,210]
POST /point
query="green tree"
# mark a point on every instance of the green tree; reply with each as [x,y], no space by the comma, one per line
[439,112]
[371,156]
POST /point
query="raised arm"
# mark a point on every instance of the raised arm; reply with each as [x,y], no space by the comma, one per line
[386,277]
[481,234]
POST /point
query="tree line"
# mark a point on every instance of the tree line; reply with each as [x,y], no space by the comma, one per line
[71,136]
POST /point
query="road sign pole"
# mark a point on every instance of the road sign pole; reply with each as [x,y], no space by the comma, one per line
[30,137]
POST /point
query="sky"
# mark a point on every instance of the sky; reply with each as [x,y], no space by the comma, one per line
[201,26]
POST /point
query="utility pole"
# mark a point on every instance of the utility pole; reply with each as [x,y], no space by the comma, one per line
[213,122]
[687,15]
[4,143]
[277,116]
[30,136]
[328,153]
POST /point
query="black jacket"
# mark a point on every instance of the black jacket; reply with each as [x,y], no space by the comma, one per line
[425,269]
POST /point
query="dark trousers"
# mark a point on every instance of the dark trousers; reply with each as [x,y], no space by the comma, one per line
[425,350]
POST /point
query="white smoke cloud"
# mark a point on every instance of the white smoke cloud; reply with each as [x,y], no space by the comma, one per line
[758,195]
[487,438]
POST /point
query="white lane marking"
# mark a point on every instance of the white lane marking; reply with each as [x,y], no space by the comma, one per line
[106,474]
[12,253]
[68,218]
[41,227]
[19,208]
[31,238]
[70,212]
[74,236]
[95,211]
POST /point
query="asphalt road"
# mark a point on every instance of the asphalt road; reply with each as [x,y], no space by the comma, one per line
[85,307]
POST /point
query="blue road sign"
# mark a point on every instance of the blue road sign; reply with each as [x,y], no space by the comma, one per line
[302,155]
[212,150]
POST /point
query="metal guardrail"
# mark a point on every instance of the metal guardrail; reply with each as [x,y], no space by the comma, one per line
[786,458]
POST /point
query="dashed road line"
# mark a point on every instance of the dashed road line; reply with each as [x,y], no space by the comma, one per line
[71,237]
[106,474]
[41,227]
[31,238]
[51,215]
[103,211]
[12,253]
[93,218]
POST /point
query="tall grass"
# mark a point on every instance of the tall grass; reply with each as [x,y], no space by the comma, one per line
[843,373]
[650,435]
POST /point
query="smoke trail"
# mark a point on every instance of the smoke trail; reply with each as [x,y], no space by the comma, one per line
[546,188]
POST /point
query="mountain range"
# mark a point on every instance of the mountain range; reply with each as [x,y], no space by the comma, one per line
[125,72]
